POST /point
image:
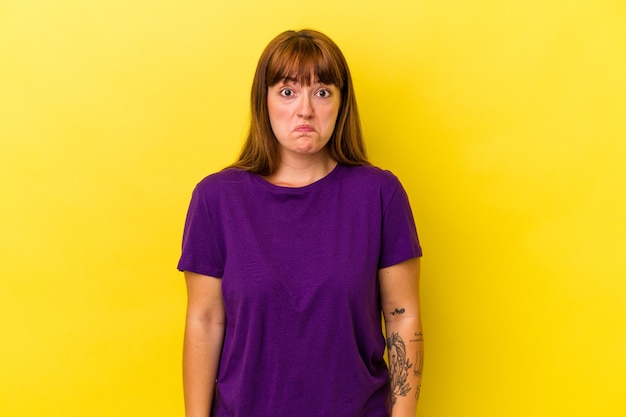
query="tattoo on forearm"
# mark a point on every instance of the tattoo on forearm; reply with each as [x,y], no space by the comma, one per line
[418,338]
[419,362]
[417,392]
[399,366]
[398,311]
[419,357]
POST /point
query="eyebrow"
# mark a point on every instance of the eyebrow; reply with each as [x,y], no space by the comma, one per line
[295,81]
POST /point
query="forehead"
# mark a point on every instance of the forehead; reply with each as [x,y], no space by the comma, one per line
[305,63]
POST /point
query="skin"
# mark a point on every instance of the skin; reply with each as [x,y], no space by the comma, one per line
[399,291]
[303,119]
[204,335]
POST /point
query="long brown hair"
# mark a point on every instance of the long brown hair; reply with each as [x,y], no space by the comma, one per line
[299,55]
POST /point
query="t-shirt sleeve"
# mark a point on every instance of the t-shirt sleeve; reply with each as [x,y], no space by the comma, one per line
[399,234]
[203,247]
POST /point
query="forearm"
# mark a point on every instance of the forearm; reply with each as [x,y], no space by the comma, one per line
[201,354]
[405,344]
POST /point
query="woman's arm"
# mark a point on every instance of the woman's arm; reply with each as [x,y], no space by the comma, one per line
[204,335]
[399,287]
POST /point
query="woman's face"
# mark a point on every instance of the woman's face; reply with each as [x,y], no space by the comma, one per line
[302,116]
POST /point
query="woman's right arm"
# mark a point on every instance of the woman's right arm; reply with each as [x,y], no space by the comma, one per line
[204,335]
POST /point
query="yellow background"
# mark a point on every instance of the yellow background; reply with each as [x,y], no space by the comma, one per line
[503,119]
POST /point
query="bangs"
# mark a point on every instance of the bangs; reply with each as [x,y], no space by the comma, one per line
[301,58]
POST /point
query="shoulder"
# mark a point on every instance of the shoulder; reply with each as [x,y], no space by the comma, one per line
[222,180]
[369,176]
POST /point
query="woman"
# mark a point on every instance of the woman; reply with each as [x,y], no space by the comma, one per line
[291,254]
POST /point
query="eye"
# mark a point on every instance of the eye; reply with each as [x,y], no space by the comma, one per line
[324,93]
[286,92]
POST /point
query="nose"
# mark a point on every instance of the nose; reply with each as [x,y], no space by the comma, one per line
[305,107]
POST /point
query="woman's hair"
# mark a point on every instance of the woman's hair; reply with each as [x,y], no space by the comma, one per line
[299,56]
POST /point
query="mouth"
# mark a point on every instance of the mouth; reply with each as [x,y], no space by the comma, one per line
[304,128]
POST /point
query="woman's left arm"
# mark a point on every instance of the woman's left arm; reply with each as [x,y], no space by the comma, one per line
[399,288]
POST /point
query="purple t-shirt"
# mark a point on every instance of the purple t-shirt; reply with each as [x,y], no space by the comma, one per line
[299,278]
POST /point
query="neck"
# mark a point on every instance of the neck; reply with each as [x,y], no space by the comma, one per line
[302,171]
